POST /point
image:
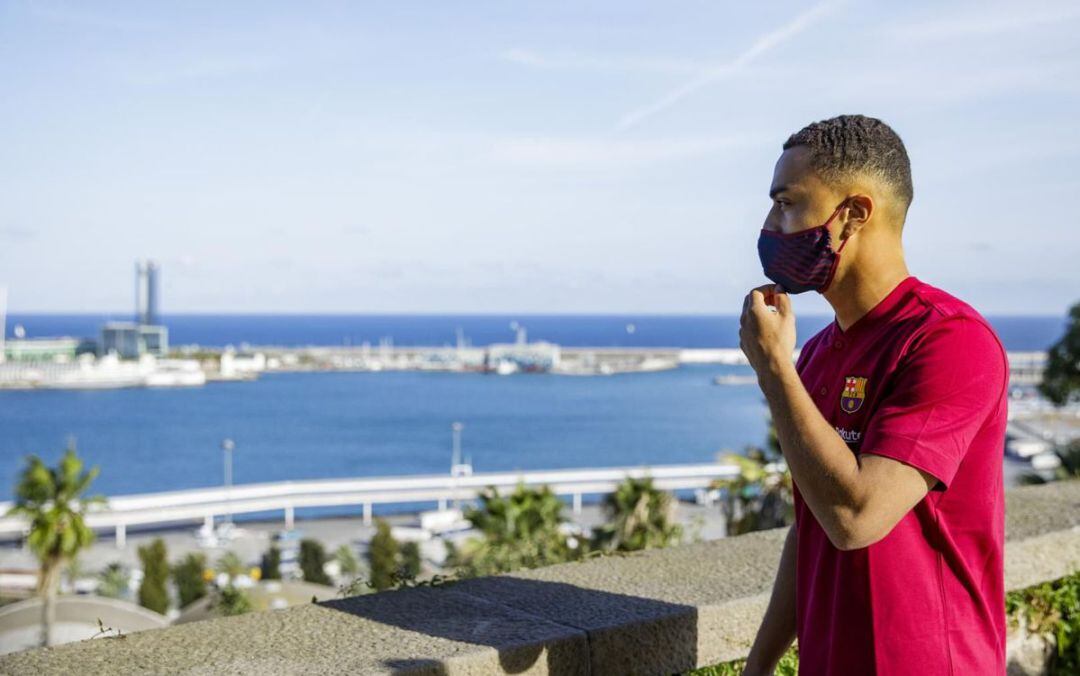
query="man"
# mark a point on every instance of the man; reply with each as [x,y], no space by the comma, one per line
[892,422]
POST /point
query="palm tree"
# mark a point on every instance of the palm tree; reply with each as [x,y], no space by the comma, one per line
[348,564]
[113,581]
[232,565]
[756,499]
[52,499]
[760,497]
[519,530]
[641,517]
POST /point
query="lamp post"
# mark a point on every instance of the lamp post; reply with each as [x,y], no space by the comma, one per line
[455,459]
[227,446]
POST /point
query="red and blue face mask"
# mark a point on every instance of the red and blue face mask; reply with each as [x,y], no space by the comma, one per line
[800,261]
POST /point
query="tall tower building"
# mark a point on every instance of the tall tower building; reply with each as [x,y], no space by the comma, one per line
[146,335]
[147,286]
[153,276]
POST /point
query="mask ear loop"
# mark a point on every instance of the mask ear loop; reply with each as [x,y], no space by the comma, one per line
[836,257]
[835,213]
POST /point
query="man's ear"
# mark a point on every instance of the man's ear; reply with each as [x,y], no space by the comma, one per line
[859,210]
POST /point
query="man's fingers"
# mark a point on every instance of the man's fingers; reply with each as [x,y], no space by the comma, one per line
[783,302]
[763,297]
[758,300]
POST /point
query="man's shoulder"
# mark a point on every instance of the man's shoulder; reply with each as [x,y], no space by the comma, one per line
[950,332]
[938,312]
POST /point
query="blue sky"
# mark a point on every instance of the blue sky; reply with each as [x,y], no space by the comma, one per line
[513,156]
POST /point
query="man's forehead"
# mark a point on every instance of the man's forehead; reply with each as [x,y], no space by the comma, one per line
[792,170]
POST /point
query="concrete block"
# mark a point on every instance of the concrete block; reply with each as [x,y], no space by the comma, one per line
[653,612]
[428,630]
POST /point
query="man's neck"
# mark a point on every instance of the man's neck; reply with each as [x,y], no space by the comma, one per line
[859,291]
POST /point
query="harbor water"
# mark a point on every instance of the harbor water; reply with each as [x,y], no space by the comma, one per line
[323,425]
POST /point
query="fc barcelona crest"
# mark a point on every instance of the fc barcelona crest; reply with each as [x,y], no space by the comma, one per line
[854,393]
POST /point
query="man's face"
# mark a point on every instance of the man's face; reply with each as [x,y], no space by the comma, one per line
[800,200]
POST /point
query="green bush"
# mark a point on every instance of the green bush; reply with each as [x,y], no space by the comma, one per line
[153,593]
[1052,608]
[188,578]
[410,559]
[312,560]
[382,556]
[1061,377]
[232,601]
[270,566]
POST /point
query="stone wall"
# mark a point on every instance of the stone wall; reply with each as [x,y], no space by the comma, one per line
[655,612]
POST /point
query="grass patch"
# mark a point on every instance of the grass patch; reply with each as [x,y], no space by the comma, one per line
[1051,609]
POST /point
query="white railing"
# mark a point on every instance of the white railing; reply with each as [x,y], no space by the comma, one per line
[204,504]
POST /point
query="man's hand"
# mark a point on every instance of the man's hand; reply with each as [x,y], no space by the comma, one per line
[767,327]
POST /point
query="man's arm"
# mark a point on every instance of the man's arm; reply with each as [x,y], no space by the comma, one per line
[777,629]
[856,500]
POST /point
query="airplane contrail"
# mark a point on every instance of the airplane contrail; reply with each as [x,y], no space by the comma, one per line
[760,46]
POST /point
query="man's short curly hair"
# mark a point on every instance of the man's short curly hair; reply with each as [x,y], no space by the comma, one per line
[847,145]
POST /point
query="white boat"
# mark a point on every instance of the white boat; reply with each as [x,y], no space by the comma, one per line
[108,372]
[176,373]
[88,373]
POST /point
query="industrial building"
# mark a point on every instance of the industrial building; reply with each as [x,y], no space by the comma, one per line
[145,335]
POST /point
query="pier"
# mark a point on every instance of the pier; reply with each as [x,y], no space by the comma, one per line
[190,366]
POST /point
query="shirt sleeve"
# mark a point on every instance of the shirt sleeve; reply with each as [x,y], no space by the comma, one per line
[946,386]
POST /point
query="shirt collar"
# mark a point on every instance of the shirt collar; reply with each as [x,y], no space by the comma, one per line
[876,313]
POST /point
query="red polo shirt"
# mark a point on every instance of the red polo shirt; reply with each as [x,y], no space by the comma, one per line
[921,378]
